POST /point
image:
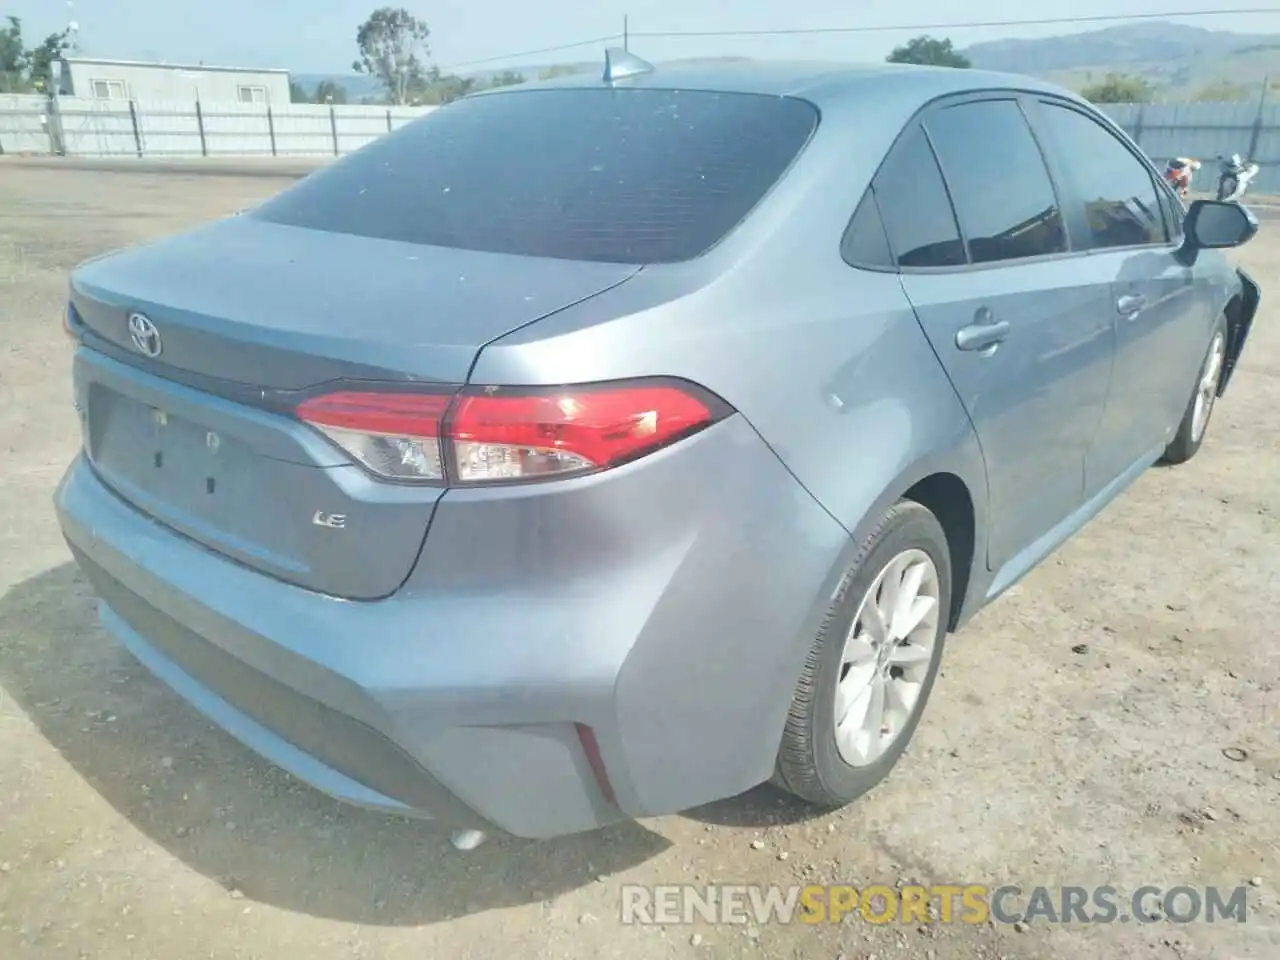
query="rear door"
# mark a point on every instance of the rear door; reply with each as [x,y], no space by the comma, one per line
[1023,332]
[1113,210]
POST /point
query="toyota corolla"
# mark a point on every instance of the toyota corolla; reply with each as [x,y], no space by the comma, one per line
[600,448]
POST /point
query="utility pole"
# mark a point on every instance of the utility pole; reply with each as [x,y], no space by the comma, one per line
[1256,133]
[625,33]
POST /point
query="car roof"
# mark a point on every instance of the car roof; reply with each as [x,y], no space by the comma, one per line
[817,81]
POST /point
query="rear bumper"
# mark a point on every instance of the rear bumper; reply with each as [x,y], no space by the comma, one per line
[666,605]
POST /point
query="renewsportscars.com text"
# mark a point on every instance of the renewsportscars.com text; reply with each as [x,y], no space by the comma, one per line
[939,903]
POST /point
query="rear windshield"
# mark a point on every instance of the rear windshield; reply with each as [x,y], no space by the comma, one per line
[626,176]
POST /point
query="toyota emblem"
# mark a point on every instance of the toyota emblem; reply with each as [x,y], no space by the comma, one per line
[145,336]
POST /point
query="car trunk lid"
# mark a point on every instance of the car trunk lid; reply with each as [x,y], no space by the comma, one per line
[280,307]
[249,315]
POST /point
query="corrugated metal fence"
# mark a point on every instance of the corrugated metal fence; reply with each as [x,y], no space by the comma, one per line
[81,127]
[1205,131]
[77,126]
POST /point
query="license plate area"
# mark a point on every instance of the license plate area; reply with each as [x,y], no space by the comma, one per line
[247,484]
[173,460]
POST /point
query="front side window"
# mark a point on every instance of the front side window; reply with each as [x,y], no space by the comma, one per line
[1115,190]
[637,175]
[912,200]
[1001,188]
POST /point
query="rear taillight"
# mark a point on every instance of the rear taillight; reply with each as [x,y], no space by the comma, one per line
[395,435]
[495,434]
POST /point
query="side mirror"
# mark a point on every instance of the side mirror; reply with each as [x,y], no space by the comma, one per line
[1215,225]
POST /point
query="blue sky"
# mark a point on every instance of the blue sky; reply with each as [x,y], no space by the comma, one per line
[319,35]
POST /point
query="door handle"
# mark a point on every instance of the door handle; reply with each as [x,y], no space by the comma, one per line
[1130,303]
[981,336]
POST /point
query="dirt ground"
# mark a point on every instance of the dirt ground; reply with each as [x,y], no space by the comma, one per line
[1076,736]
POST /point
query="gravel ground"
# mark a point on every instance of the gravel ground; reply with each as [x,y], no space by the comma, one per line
[1076,736]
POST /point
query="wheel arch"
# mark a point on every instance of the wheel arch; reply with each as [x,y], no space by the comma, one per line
[952,484]
[947,497]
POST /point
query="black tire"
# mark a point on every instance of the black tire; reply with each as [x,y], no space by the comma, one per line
[1185,444]
[809,762]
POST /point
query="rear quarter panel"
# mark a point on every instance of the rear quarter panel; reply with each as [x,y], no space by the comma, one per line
[826,361]
[837,378]
[826,364]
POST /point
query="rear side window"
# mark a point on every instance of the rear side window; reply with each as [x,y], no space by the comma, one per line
[998,180]
[627,176]
[914,205]
[1117,203]
[865,243]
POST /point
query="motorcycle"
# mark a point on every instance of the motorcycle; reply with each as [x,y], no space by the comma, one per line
[1179,172]
[1234,177]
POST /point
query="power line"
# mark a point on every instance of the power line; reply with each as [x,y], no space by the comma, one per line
[533,53]
[867,28]
[886,28]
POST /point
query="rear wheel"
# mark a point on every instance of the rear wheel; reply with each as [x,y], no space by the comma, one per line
[872,666]
[1195,421]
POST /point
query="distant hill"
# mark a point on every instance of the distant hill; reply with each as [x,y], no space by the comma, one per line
[1179,59]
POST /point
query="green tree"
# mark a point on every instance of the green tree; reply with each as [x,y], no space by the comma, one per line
[392,44]
[1118,88]
[298,93]
[1224,91]
[441,88]
[40,59]
[13,58]
[329,92]
[23,70]
[930,52]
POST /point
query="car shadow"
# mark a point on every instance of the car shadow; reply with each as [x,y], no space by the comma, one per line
[239,820]
[762,806]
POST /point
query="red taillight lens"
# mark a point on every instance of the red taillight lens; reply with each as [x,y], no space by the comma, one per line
[487,434]
[511,436]
[395,435]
